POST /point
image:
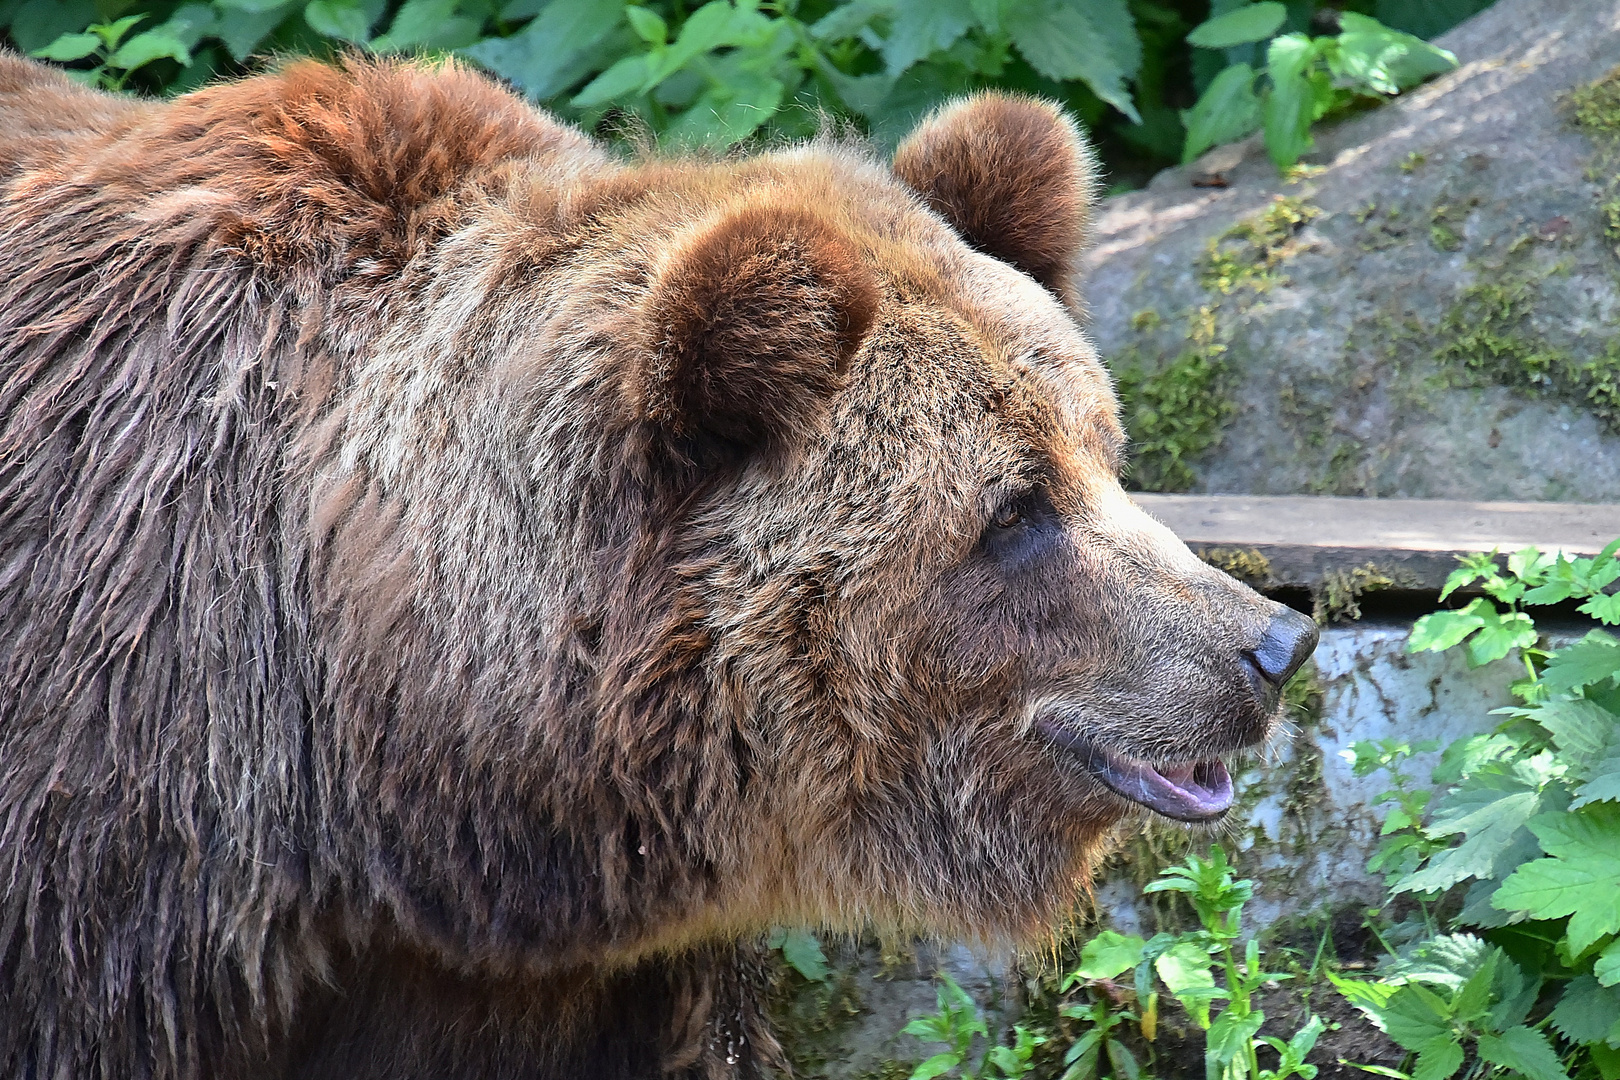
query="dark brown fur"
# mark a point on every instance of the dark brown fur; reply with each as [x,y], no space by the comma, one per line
[458,587]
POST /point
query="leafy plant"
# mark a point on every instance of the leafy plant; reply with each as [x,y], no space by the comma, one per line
[113,54]
[955,1023]
[1186,965]
[1530,824]
[720,72]
[1304,78]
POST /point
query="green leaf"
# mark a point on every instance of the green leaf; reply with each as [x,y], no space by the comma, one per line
[1438,1058]
[1123,1061]
[1524,1050]
[345,20]
[142,49]
[1604,608]
[69,47]
[1290,108]
[1387,61]
[1552,888]
[1370,997]
[624,78]
[1441,630]
[922,27]
[429,24]
[1228,110]
[1607,970]
[938,1065]
[1581,728]
[1592,661]
[1587,1010]
[1256,22]
[846,20]
[727,114]
[1231,1035]
[112,33]
[1500,634]
[648,24]
[1108,954]
[242,30]
[801,950]
[1184,966]
[1094,43]
[544,58]
[252,7]
[1490,809]
[1415,1017]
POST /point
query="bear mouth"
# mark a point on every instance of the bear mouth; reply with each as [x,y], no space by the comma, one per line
[1190,791]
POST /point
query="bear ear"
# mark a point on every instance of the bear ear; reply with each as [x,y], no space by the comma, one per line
[751,321]
[1012,174]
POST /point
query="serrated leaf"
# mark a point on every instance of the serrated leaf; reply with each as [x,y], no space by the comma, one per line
[1586,1010]
[112,33]
[1490,809]
[1415,1017]
[1583,888]
[1441,630]
[1095,44]
[725,115]
[1439,1058]
[1499,634]
[1581,728]
[1604,608]
[1607,971]
[1592,661]
[1524,1050]
[543,57]
[142,49]
[69,47]
[345,20]
[1388,61]
[1256,22]
[922,27]
[1227,110]
[1290,108]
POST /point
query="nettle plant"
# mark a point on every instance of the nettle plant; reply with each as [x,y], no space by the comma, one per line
[1303,78]
[1527,830]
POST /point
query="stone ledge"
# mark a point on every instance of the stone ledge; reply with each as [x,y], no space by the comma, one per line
[1305,542]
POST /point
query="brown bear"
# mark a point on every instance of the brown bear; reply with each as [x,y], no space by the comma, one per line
[461,587]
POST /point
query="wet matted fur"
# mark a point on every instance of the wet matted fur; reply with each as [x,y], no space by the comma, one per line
[458,586]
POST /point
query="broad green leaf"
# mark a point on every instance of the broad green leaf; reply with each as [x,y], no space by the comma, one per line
[1415,1017]
[242,31]
[431,24]
[1108,954]
[1387,61]
[37,23]
[1587,1011]
[1228,110]
[847,20]
[1500,634]
[1231,1034]
[69,47]
[112,33]
[717,24]
[1438,1058]
[1490,809]
[623,79]
[1184,966]
[1524,1050]
[1095,43]
[1593,661]
[648,24]
[801,950]
[253,7]
[1581,728]
[938,1065]
[142,49]
[1441,630]
[1372,998]
[345,20]
[543,59]
[1604,608]
[1594,832]
[922,27]
[1290,108]
[727,114]
[1607,971]
[1583,888]
[1123,1061]
[1602,776]
[1256,22]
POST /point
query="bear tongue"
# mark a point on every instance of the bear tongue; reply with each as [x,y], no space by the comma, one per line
[1192,791]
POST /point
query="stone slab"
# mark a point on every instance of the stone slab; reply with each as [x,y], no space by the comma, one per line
[1301,540]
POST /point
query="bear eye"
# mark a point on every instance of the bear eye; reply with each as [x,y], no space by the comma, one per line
[1008,516]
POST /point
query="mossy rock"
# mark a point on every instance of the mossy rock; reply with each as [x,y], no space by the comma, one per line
[1434,312]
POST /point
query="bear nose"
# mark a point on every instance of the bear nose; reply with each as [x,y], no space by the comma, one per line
[1289,641]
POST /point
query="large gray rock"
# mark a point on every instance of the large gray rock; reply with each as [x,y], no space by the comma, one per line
[1443,325]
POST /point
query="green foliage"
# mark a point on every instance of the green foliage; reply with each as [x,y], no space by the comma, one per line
[1530,825]
[956,1023]
[802,952]
[1173,414]
[717,73]
[1304,78]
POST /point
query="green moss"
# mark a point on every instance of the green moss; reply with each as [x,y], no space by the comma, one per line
[1246,564]
[1173,414]
[1413,162]
[1338,597]
[1596,106]
[1248,254]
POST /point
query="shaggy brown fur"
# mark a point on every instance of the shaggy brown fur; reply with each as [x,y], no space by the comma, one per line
[458,586]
